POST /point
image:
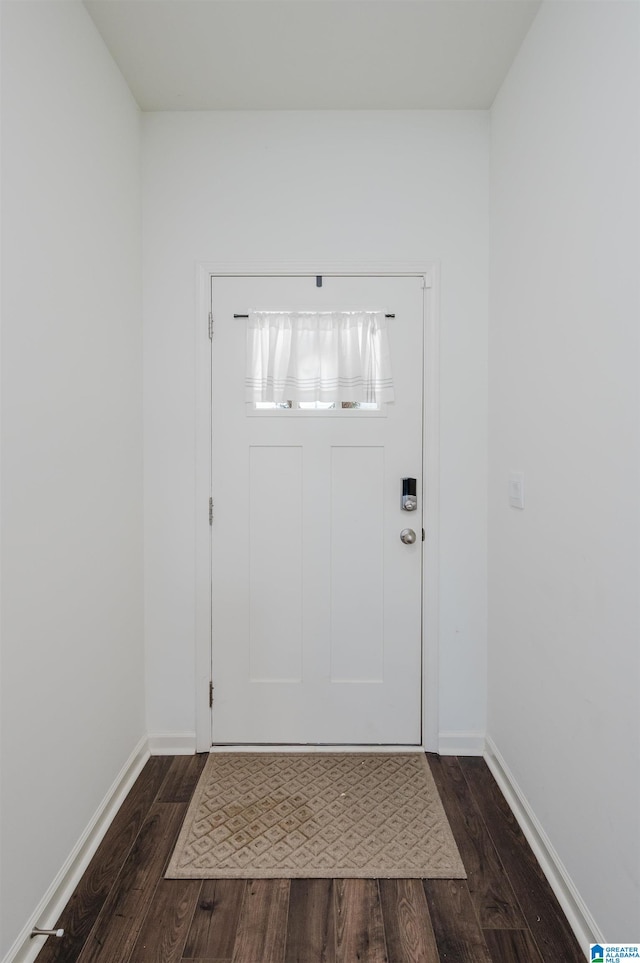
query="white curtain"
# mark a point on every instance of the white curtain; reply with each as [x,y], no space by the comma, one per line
[318,356]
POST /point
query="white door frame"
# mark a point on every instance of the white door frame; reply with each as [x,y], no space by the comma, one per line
[428,270]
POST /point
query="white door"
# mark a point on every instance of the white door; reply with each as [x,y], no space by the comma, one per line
[316,600]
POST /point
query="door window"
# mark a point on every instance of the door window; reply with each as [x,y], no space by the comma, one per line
[311,360]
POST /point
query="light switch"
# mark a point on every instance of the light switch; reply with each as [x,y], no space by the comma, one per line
[516,489]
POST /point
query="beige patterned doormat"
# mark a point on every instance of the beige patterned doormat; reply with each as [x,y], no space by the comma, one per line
[309,815]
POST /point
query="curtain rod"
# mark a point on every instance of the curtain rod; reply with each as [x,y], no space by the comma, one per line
[246,315]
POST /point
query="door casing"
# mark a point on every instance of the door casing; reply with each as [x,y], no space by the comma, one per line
[429,271]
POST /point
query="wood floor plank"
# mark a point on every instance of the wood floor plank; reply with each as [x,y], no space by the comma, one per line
[407,924]
[359,923]
[82,910]
[458,933]
[311,931]
[548,925]
[491,892]
[262,927]
[167,922]
[212,935]
[512,946]
[122,917]
[182,778]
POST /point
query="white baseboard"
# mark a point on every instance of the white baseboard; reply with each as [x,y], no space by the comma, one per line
[25,949]
[172,743]
[461,743]
[573,906]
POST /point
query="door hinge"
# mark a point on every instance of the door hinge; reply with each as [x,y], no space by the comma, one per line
[423,534]
[210,325]
[210,694]
[211,511]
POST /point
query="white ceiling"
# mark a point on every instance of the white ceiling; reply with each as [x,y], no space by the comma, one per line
[313,54]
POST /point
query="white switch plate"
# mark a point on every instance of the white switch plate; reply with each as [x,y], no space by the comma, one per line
[516,489]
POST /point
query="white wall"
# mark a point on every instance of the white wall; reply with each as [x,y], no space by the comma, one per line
[299,186]
[72,621]
[563,628]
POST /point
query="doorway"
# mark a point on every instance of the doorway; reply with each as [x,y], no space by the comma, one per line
[315,599]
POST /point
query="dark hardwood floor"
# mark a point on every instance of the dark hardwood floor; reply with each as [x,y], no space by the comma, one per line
[123,911]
